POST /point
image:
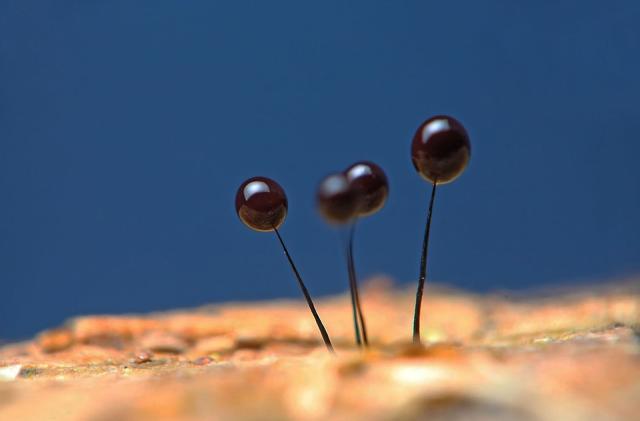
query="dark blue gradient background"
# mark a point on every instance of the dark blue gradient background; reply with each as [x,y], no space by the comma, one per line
[126,126]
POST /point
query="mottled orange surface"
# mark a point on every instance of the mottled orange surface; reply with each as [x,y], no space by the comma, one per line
[572,355]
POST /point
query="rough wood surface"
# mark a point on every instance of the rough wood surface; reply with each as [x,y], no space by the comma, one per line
[572,355]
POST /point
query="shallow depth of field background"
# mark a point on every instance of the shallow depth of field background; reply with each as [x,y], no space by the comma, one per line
[126,127]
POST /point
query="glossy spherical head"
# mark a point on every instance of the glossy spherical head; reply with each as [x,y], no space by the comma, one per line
[337,201]
[261,204]
[371,184]
[440,149]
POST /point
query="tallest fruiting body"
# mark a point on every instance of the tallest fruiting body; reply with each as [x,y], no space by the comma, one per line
[440,151]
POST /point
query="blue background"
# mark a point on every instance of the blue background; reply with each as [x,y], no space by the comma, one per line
[126,127]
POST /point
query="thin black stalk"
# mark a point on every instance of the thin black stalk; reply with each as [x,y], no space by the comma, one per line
[307,296]
[353,292]
[423,269]
[353,281]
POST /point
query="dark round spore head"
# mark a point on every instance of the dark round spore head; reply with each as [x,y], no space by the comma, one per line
[440,149]
[337,201]
[261,204]
[370,183]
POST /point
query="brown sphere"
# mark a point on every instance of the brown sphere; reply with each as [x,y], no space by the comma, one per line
[370,182]
[336,200]
[440,149]
[261,204]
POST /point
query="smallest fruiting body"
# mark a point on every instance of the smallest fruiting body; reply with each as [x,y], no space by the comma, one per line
[337,200]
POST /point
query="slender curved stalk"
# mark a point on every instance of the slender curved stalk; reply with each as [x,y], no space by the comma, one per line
[355,296]
[353,292]
[305,292]
[423,269]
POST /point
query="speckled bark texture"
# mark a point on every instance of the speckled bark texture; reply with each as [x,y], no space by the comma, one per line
[566,355]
